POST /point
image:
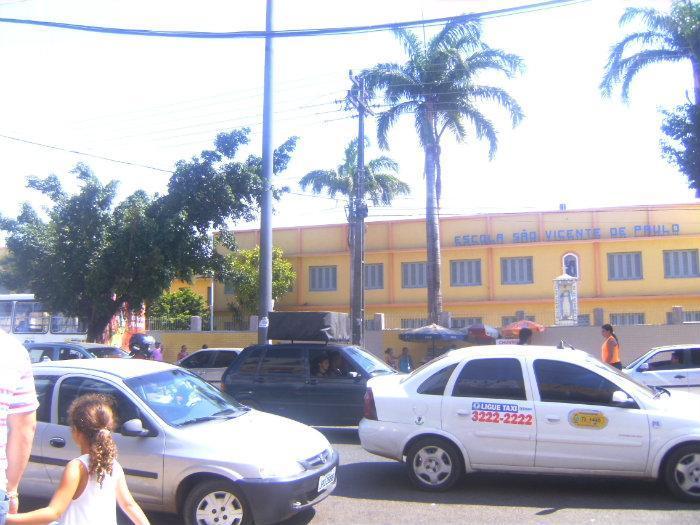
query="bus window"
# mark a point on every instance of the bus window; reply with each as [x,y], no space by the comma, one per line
[67,325]
[30,318]
[6,315]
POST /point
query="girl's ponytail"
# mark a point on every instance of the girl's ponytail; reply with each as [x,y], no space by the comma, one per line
[93,416]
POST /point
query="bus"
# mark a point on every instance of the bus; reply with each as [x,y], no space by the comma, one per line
[26,319]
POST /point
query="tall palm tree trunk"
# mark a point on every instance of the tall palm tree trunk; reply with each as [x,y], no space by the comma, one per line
[432,229]
[696,80]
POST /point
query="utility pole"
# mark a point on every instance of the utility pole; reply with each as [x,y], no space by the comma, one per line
[358,211]
[266,201]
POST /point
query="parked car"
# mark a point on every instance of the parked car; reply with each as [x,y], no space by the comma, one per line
[185,446]
[210,363]
[286,379]
[536,410]
[669,367]
[62,350]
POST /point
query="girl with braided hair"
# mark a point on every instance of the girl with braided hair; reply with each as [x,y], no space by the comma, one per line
[93,483]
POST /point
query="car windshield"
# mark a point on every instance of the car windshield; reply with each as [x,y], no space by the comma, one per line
[424,366]
[181,398]
[368,362]
[108,351]
[635,385]
[637,361]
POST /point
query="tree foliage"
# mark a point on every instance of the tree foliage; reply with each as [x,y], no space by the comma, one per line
[440,86]
[178,307]
[243,275]
[381,184]
[89,255]
[682,145]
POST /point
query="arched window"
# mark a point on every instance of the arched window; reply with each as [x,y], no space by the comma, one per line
[570,265]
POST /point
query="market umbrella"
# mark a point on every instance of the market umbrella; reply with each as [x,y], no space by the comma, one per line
[432,332]
[513,329]
[481,332]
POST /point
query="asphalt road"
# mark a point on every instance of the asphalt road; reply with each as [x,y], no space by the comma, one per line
[372,490]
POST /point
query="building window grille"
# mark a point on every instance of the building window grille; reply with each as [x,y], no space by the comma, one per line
[691,317]
[627,319]
[680,264]
[413,275]
[584,319]
[516,270]
[323,278]
[374,276]
[464,322]
[625,266]
[413,322]
[465,273]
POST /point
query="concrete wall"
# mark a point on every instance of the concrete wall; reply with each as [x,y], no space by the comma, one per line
[634,340]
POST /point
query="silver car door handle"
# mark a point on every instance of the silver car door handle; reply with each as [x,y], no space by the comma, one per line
[553,419]
[679,377]
[463,412]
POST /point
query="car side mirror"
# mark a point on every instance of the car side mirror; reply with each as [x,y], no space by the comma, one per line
[644,367]
[354,375]
[134,428]
[622,400]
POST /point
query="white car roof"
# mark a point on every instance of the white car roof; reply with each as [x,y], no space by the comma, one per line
[123,368]
[542,352]
[677,347]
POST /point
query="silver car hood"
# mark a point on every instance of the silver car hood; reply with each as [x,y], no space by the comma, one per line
[252,436]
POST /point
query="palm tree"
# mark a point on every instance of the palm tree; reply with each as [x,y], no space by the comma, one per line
[439,86]
[381,186]
[673,37]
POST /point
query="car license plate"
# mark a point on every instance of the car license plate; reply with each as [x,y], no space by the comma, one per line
[327,479]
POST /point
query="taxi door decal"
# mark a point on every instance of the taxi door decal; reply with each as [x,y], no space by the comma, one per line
[588,419]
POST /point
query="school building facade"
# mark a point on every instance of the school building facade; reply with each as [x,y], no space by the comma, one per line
[634,265]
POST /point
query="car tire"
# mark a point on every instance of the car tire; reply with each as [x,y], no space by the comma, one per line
[434,464]
[682,473]
[216,502]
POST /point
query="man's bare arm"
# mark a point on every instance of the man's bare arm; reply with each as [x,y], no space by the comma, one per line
[20,435]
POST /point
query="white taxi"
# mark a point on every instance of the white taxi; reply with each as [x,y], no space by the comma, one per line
[531,409]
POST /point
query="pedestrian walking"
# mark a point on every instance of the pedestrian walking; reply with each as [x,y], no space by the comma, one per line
[524,336]
[157,353]
[93,483]
[405,361]
[182,353]
[390,358]
[610,351]
[18,404]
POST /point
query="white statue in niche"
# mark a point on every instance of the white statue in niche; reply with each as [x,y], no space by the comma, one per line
[567,307]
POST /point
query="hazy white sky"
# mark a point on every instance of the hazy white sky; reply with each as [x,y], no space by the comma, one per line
[154,101]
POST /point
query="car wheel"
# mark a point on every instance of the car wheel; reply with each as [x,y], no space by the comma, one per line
[682,473]
[216,502]
[434,464]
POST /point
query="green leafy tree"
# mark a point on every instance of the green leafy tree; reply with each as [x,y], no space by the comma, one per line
[439,86]
[663,38]
[178,307]
[243,275]
[89,256]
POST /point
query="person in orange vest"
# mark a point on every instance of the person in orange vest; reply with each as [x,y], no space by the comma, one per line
[610,350]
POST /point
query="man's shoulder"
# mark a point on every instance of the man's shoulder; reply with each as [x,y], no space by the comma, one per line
[12,351]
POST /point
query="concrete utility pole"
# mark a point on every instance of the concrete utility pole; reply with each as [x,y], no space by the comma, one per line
[266,204]
[358,211]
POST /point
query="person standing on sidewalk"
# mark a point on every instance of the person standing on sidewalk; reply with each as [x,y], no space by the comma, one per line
[405,361]
[610,351]
[18,404]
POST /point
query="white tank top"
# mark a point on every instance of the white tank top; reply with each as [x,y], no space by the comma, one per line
[96,505]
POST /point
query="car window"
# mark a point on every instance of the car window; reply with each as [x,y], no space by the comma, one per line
[70,353]
[197,360]
[668,360]
[694,354]
[224,358]
[44,392]
[250,363]
[339,366]
[492,378]
[107,351]
[74,387]
[436,383]
[40,353]
[560,382]
[283,361]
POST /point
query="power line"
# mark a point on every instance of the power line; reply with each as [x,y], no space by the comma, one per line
[296,32]
[82,153]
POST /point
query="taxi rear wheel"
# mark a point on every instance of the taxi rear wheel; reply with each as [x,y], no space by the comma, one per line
[216,502]
[434,464]
[682,473]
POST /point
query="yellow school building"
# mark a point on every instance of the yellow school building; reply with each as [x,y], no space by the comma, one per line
[634,265]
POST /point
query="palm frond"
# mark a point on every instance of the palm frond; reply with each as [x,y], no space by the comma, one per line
[455,35]
[484,129]
[328,181]
[629,67]
[393,79]
[653,19]
[382,163]
[386,119]
[502,98]
[410,42]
